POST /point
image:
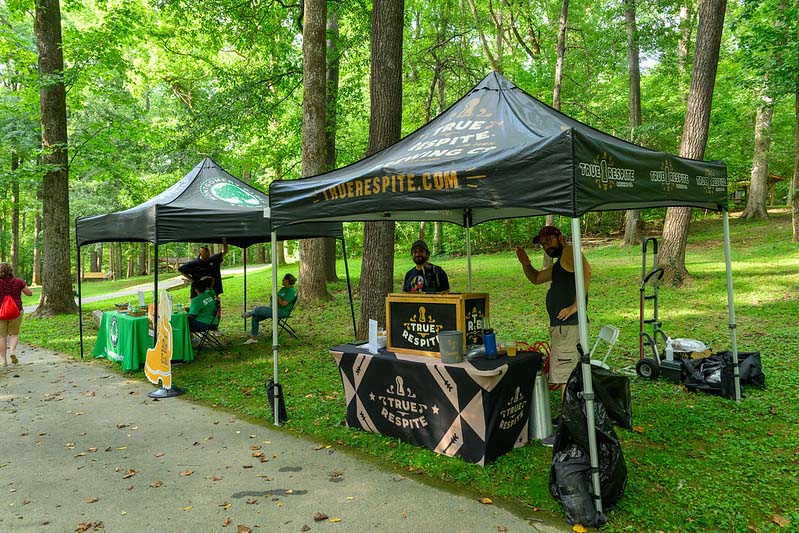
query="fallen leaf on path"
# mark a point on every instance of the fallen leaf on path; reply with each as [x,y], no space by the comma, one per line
[255,447]
[130,473]
[25,502]
[80,454]
[86,526]
[70,445]
[186,473]
[335,519]
[502,529]
[79,413]
[579,528]
[187,508]
[91,500]
[243,529]
[156,484]
[122,448]
[160,454]
[252,501]
[246,466]
[215,478]
[257,454]
[226,522]
[117,468]
[120,425]
[92,450]
[404,514]
[305,527]
[225,505]
[485,501]
[318,517]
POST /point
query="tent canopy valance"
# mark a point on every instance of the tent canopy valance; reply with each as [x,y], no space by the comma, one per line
[500,153]
[206,205]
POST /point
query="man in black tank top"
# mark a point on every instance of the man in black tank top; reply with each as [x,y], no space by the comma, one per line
[561,301]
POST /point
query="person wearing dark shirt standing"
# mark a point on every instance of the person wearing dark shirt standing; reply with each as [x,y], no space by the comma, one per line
[205,265]
[425,276]
[561,301]
[9,329]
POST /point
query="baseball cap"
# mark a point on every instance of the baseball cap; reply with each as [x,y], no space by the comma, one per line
[420,244]
[545,232]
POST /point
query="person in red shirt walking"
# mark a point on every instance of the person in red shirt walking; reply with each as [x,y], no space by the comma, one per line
[9,329]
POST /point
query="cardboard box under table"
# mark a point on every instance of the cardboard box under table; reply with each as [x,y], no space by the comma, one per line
[414,320]
[476,410]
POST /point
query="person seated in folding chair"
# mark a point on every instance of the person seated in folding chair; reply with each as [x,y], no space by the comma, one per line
[203,309]
[286,298]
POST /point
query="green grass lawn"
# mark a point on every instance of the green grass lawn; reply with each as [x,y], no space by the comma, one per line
[695,462]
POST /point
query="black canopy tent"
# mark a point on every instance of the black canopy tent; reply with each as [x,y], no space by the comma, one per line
[207,205]
[500,153]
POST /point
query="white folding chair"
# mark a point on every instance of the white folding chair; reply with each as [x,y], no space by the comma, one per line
[608,334]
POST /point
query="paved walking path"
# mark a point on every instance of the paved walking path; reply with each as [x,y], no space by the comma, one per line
[85,448]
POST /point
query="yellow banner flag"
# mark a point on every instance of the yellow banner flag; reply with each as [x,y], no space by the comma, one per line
[158,365]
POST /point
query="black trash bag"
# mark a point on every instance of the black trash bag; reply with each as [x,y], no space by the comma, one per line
[275,390]
[570,473]
[750,368]
[715,374]
[613,390]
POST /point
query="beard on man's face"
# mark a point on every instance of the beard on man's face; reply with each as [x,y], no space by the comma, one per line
[554,251]
[420,259]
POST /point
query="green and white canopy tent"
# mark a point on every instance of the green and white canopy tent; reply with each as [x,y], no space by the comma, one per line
[207,205]
[500,153]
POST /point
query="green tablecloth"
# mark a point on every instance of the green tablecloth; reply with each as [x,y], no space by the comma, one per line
[125,339]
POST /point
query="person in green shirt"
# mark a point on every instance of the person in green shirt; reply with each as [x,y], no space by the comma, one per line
[286,297]
[202,311]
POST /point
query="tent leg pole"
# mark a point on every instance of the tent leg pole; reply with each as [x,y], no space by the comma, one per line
[469,256]
[274,325]
[80,303]
[585,363]
[155,291]
[349,289]
[731,307]
[245,286]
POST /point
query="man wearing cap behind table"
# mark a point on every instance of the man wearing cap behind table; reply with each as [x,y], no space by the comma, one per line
[425,276]
[561,301]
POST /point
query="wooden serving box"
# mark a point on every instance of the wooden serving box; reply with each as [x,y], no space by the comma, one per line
[414,320]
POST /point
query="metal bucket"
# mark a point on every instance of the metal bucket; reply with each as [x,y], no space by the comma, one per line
[450,345]
[540,426]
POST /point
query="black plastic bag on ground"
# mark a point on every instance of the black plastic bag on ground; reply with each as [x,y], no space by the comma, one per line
[570,474]
[715,374]
[275,390]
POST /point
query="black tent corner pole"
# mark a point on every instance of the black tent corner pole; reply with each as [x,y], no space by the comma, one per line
[349,288]
[245,285]
[80,303]
[155,291]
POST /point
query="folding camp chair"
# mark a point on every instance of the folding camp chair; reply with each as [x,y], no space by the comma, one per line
[609,334]
[283,323]
[208,337]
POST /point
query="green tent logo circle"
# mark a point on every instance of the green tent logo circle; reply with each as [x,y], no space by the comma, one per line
[114,331]
[226,190]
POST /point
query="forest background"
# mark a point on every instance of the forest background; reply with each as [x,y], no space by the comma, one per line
[151,87]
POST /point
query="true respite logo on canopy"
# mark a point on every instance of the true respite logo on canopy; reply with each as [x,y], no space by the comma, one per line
[711,183]
[606,174]
[668,178]
[421,329]
[226,190]
[514,412]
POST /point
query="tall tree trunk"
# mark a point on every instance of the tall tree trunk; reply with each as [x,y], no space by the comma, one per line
[312,251]
[56,294]
[385,126]
[14,212]
[561,55]
[333,61]
[758,180]
[795,180]
[695,132]
[142,270]
[36,279]
[632,217]
[794,189]
[438,237]
[684,45]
